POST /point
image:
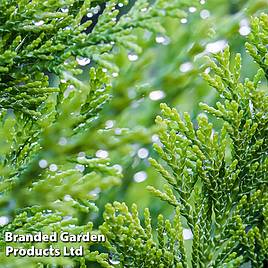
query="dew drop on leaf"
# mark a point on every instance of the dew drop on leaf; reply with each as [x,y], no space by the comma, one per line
[38,23]
[82,61]
[133,56]
[161,39]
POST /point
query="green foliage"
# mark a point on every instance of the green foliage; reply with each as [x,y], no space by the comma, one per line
[52,131]
[135,245]
[49,174]
[217,180]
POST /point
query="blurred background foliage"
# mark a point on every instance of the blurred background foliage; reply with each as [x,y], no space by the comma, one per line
[167,70]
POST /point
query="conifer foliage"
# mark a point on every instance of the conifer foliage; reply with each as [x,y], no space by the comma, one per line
[216,180]
[49,173]
[49,176]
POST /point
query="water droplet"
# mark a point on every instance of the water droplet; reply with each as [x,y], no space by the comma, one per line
[115,74]
[81,154]
[144,9]
[80,167]
[104,70]
[69,89]
[155,138]
[251,107]
[216,47]
[64,9]
[207,71]
[90,14]
[118,131]
[114,261]
[63,141]
[157,95]
[202,2]
[192,9]
[140,176]
[118,168]
[38,23]
[120,4]
[133,57]
[82,61]
[186,67]
[67,198]
[187,234]
[204,14]
[4,220]
[95,192]
[96,9]
[244,30]
[184,21]
[161,39]
[109,124]
[53,167]
[143,153]
[102,154]
[43,163]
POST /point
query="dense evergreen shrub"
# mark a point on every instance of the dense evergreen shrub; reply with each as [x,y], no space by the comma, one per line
[53,131]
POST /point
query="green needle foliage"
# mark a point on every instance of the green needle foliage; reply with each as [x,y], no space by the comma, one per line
[216,179]
[49,175]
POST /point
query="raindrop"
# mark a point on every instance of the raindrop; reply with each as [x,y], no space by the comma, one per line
[102,154]
[95,192]
[90,15]
[104,70]
[192,9]
[140,176]
[133,56]
[114,259]
[118,168]
[216,47]
[244,30]
[38,23]
[120,4]
[67,198]
[109,124]
[143,153]
[204,14]
[157,95]
[62,141]
[96,9]
[118,131]
[186,67]
[69,89]
[43,163]
[82,61]
[53,167]
[4,220]
[80,167]
[115,74]
[207,71]
[184,20]
[161,39]
[81,154]
[251,107]
[64,9]
[187,234]
[155,138]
